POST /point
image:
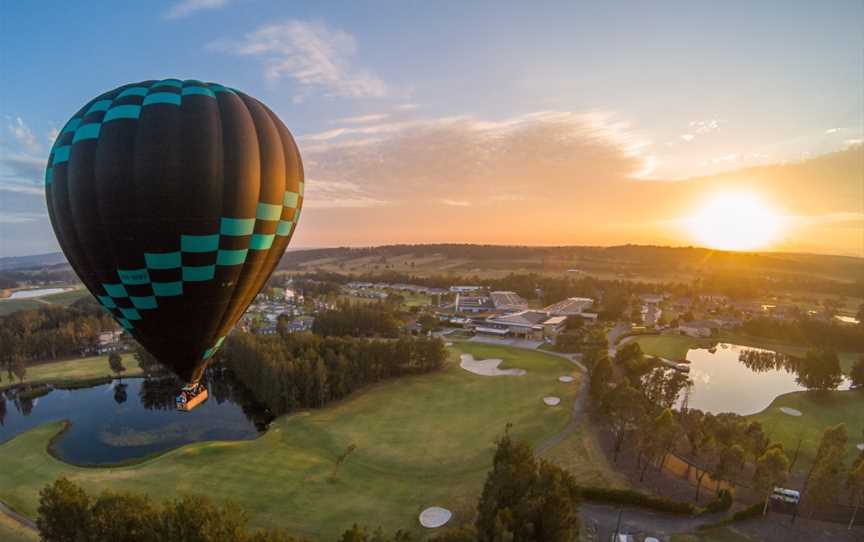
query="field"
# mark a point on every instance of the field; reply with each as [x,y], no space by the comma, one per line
[421,441]
[819,411]
[78,369]
[63,299]
[12,531]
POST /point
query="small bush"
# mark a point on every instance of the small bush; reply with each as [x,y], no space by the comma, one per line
[635,498]
[752,511]
[721,503]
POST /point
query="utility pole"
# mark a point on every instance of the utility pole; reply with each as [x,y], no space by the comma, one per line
[618,526]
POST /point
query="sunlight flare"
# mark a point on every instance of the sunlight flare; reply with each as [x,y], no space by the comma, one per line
[735,221]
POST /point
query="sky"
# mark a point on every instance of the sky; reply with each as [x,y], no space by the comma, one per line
[492,122]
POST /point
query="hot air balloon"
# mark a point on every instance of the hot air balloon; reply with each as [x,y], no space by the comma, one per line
[173,201]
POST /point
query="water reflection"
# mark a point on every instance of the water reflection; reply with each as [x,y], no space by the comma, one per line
[133,418]
[733,378]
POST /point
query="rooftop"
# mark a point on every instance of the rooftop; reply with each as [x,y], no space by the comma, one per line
[570,306]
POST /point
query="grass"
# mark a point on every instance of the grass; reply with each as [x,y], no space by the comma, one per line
[580,454]
[9,306]
[715,534]
[819,411]
[79,369]
[421,441]
[12,531]
[672,347]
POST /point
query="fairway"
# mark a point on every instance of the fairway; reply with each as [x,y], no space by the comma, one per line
[421,441]
[820,410]
[78,369]
[63,299]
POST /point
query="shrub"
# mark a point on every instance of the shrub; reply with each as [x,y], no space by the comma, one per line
[721,503]
[635,498]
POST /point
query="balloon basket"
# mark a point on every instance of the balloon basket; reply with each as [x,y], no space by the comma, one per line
[190,397]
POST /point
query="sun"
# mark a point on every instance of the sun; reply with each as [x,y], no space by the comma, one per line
[735,221]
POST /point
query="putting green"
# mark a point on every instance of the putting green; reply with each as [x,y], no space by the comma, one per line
[818,411]
[421,441]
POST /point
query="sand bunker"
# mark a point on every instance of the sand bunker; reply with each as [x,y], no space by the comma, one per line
[434,517]
[790,411]
[860,446]
[552,401]
[448,344]
[487,367]
[566,379]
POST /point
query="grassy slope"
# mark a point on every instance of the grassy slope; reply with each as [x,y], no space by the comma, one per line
[819,411]
[580,454]
[9,306]
[79,369]
[12,531]
[421,441]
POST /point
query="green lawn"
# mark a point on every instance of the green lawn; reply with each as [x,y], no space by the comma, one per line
[672,347]
[421,441]
[78,369]
[819,411]
[9,306]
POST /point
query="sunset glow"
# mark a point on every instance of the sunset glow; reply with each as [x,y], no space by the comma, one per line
[735,221]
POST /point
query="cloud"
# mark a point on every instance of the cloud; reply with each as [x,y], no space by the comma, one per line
[188,7]
[13,217]
[688,137]
[23,166]
[52,134]
[456,203]
[406,107]
[705,126]
[313,54]
[363,119]
[336,194]
[22,188]
[23,135]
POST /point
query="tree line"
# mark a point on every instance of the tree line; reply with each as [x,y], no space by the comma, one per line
[304,370]
[50,333]
[636,396]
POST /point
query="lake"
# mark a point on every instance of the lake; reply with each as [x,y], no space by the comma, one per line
[118,422]
[722,383]
[26,294]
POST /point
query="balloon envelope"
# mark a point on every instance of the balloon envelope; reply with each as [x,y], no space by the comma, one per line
[173,202]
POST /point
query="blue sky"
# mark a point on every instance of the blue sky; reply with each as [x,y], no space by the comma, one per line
[684,88]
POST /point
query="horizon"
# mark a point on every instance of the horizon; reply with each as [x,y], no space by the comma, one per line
[568,125]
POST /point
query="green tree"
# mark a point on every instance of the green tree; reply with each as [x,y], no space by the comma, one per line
[856,375]
[115,362]
[771,469]
[146,361]
[64,513]
[820,371]
[824,477]
[625,408]
[601,377]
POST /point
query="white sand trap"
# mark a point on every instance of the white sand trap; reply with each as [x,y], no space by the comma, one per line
[434,517]
[552,401]
[566,379]
[487,367]
[790,411]
[860,446]
[448,344]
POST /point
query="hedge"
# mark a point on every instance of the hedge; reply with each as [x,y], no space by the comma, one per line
[635,498]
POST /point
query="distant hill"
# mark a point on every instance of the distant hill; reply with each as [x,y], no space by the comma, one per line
[38,260]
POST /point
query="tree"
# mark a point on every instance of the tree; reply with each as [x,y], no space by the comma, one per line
[820,371]
[64,513]
[856,375]
[625,407]
[730,460]
[855,483]
[601,377]
[825,473]
[120,395]
[771,470]
[146,361]
[19,368]
[115,362]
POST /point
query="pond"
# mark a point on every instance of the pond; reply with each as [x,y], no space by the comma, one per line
[26,294]
[135,418]
[723,383]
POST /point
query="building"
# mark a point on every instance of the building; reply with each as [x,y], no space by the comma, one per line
[109,341]
[572,306]
[527,324]
[508,302]
[465,289]
[474,304]
[698,328]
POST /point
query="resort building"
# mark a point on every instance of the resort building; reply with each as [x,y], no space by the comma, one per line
[572,306]
[508,302]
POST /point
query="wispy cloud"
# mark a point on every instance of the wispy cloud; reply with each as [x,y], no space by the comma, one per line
[187,7]
[406,107]
[337,195]
[24,135]
[456,203]
[313,54]
[705,126]
[363,119]
[14,217]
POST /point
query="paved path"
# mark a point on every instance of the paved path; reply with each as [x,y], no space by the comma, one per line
[25,521]
[578,406]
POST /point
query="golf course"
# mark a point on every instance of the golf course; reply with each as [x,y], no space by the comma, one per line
[420,441]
